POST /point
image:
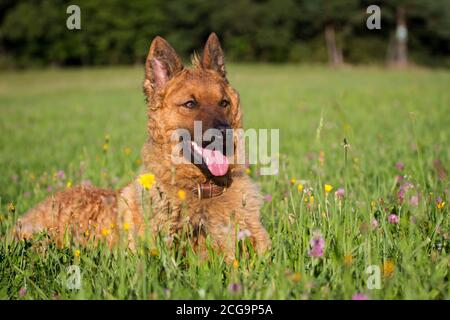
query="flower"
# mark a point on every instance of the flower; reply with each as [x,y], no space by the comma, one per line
[61,175]
[11,208]
[147,180]
[388,268]
[181,195]
[339,193]
[126,226]
[234,287]
[360,296]
[327,188]
[242,234]
[393,218]
[414,200]
[296,277]
[235,264]
[293,181]
[348,259]
[69,184]
[22,292]
[400,166]
[105,232]
[77,253]
[154,252]
[268,197]
[126,151]
[300,187]
[105,147]
[374,223]
[248,170]
[311,200]
[317,245]
[440,203]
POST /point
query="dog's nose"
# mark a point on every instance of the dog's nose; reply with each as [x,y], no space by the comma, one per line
[222,127]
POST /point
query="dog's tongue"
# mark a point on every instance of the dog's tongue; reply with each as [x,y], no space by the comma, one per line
[217,163]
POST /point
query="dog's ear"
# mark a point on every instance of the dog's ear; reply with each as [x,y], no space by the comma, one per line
[213,57]
[161,65]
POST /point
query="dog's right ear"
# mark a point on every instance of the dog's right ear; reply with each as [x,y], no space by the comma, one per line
[161,65]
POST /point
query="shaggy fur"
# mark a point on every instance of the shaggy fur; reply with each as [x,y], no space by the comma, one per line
[88,212]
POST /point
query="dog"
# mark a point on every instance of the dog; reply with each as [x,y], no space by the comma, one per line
[213,198]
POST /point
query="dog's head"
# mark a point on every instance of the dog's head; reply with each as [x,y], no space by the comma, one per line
[182,98]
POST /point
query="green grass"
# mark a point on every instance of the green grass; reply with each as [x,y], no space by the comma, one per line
[58,119]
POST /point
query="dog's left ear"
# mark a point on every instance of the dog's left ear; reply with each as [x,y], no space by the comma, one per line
[213,57]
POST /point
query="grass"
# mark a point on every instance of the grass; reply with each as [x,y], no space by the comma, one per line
[58,119]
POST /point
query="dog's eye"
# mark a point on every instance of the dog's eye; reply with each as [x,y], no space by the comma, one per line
[190,104]
[224,103]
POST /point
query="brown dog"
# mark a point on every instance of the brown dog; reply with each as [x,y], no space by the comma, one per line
[215,199]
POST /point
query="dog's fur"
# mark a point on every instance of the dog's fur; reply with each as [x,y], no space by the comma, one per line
[88,212]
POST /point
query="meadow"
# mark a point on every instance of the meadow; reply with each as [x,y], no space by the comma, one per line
[333,210]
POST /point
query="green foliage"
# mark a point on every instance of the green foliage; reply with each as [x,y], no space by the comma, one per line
[34,33]
[57,120]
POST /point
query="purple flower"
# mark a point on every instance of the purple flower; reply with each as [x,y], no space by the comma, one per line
[393,218]
[61,175]
[403,189]
[400,166]
[317,246]
[360,296]
[374,223]
[234,287]
[340,193]
[244,234]
[86,183]
[414,200]
[22,292]
[49,189]
[268,197]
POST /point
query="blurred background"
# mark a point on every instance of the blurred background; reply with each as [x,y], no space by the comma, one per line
[33,33]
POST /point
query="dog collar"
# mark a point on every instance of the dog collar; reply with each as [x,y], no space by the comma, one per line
[207,190]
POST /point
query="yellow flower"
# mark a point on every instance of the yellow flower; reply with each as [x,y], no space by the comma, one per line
[300,187]
[138,162]
[441,205]
[348,259]
[296,277]
[112,225]
[127,151]
[311,199]
[293,181]
[126,226]
[105,232]
[182,195]
[69,184]
[77,253]
[105,147]
[248,171]
[147,180]
[11,208]
[328,188]
[154,252]
[388,268]
[87,233]
[235,264]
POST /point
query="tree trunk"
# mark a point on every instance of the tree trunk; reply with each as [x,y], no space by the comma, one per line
[335,57]
[400,52]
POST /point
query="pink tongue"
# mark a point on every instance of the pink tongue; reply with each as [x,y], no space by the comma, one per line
[217,163]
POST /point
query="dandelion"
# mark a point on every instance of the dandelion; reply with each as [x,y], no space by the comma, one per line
[317,245]
[293,181]
[147,180]
[105,147]
[87,233]
[69,184]
[105,232]
[360,296]
[181,195]
[296,277]
[138,162]
[299,187]
[348,259]
[393,219]
[400,166]
[339,193]
[235,264]
[154,252]
[248,170]
[127,151]
[440,203]
[388,268]
[22,292]
[234,287]
[327,188]
[11,208]
[311,200]
[268,197]
[77,253]
[126,226]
